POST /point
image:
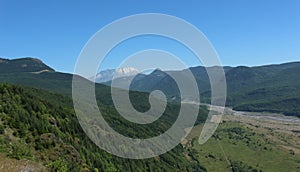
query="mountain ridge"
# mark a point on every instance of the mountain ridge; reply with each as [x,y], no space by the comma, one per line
[27,64]
[259,88]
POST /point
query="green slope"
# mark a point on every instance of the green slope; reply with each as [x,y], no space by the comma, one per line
[41,126]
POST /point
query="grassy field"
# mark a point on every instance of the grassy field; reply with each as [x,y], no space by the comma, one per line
[246,144]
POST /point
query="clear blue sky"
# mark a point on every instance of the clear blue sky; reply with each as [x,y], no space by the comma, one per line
[244,32]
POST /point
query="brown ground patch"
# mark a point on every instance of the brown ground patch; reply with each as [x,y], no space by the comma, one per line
[12,165]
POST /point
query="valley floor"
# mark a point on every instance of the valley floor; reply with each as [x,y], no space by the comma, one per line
[249,142]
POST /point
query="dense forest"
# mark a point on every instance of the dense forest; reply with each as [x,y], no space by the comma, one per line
[41,126]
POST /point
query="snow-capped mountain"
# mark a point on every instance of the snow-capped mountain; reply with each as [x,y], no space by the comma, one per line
[107,75]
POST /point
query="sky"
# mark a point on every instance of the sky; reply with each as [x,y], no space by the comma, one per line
[243,32]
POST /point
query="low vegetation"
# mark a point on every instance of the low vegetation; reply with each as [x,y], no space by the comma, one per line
[242,147]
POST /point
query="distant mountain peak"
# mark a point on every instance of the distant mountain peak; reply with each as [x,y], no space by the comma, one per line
[158,73]
[109,74]
[126,70]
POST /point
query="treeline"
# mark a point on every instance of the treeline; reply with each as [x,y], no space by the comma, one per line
[287,107]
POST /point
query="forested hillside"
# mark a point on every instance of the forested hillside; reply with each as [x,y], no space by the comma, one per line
[272,88]
[42,127]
